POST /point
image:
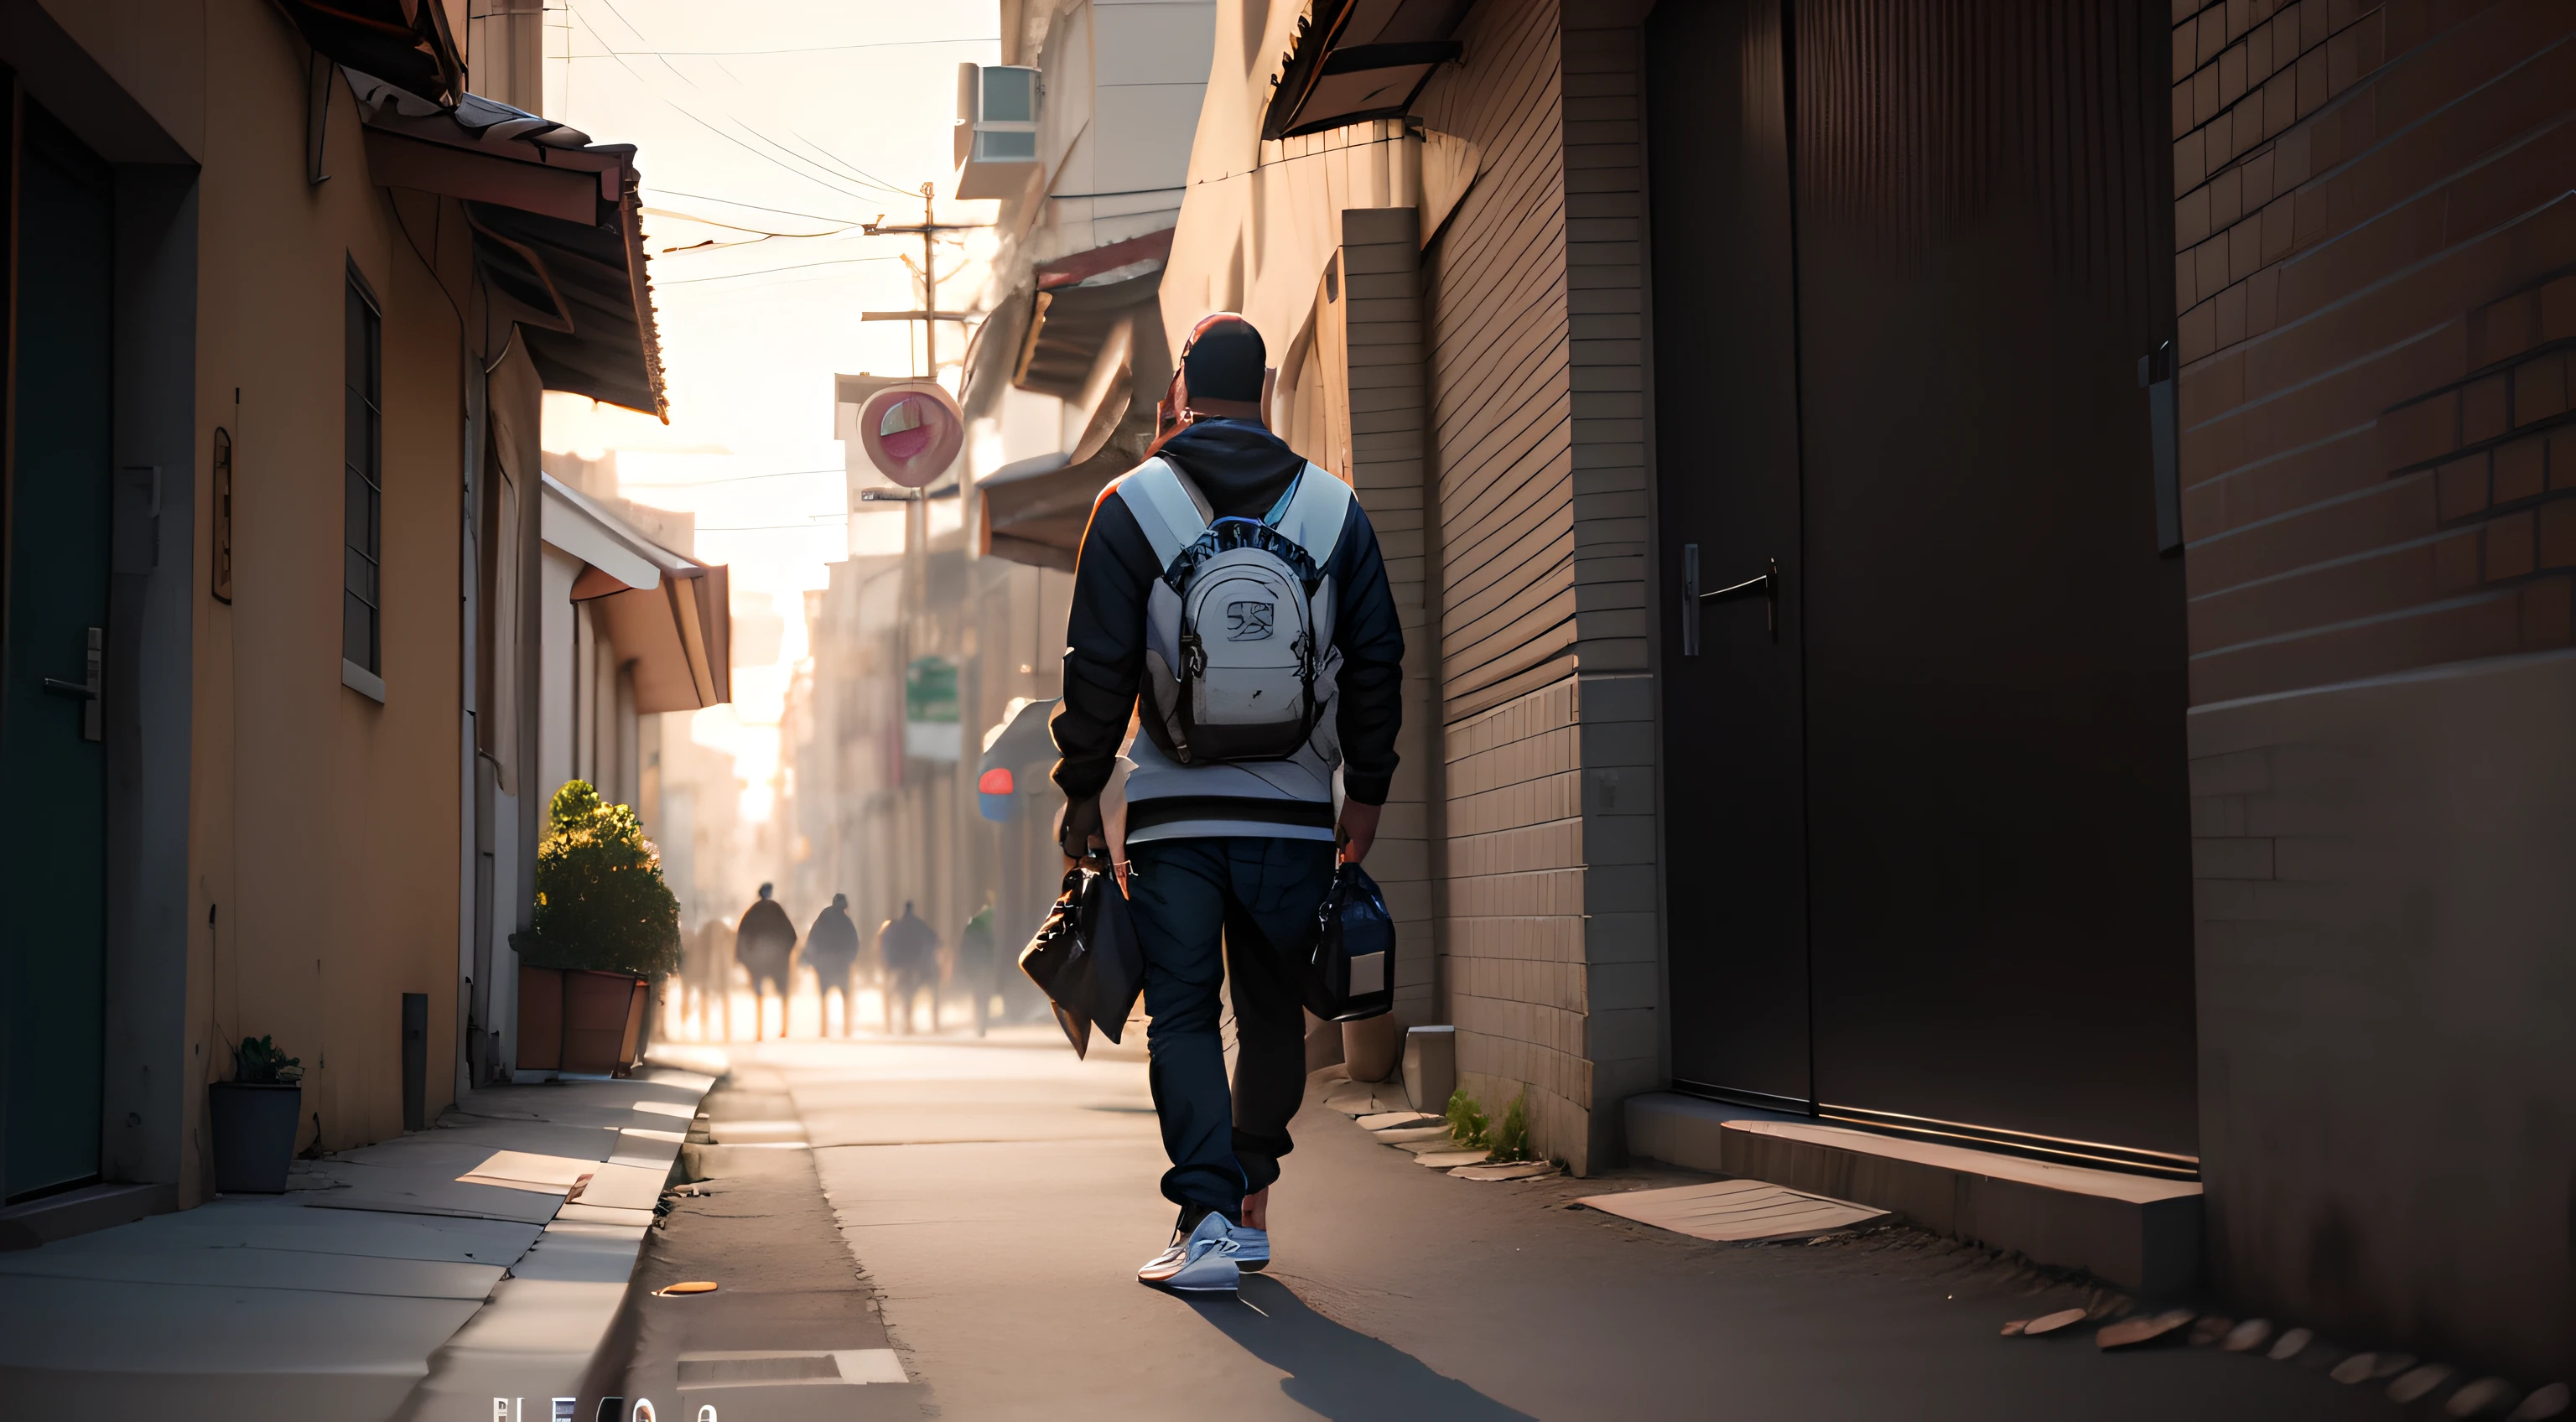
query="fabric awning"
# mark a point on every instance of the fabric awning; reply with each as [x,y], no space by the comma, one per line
[558,231]
[667,615]
[1094,339]
[1360,59]
[406,42]
[1079,303]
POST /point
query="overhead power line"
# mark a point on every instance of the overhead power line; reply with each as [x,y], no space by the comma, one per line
[693,117]
[738,227]
[729,202]
[765,271]
[811,49]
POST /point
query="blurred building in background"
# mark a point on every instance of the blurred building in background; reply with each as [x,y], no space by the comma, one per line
[920,659]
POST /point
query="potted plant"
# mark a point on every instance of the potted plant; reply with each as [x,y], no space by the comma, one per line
[606,926]
[256,1115]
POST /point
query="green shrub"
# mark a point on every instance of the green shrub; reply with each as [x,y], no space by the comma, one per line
[1466,1119]
[1511,1139]
[601,902]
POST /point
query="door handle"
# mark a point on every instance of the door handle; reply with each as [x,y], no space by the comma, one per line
[1764,585]
[86,691]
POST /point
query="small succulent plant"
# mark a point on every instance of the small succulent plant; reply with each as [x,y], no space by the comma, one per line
[258,1062]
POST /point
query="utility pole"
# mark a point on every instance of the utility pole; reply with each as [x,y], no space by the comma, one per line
[929,315]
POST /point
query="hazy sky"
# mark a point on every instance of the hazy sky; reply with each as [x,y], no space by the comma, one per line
[802,118]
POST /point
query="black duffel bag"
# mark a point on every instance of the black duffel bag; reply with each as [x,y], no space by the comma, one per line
[1085,957]
[1351,973]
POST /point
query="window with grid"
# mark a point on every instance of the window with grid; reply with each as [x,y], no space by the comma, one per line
[363,440]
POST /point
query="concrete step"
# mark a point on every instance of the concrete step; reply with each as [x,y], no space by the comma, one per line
[92,1207]
[2135,1230]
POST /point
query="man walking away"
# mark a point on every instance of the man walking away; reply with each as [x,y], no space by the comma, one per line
[909,949]
[832,951]
[764,944]
[1241,589]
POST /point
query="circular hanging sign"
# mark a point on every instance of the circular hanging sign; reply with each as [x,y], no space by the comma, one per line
[911,432]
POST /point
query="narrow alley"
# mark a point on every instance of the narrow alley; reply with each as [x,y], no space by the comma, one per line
[1780,710]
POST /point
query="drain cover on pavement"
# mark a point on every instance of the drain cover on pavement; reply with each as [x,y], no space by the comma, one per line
[1735,1211]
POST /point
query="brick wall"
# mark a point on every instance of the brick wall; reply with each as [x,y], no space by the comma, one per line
[2379,500]
[2370,230]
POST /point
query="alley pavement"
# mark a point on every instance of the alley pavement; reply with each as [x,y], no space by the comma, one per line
[418,1277]
[996,1197]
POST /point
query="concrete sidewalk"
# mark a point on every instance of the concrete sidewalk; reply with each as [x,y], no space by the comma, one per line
[420,1276]
[1000,1196]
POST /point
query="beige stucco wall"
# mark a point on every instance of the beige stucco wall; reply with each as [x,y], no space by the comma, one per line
[323,825]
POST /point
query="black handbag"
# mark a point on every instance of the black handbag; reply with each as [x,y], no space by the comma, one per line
[1086,959]
[1351,973]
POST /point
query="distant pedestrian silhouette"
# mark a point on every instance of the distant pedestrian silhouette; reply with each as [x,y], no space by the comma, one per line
[909,949]
[764,944]
[832,951]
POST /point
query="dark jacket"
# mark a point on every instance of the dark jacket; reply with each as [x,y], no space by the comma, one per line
[833,938]
[1242,469]
[766,933]
[907,945]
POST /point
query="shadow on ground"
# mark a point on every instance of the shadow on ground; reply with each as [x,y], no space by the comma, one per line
[1339,1373]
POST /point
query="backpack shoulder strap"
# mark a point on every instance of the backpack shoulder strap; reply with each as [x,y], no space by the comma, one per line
[1167,507]
[1313,511]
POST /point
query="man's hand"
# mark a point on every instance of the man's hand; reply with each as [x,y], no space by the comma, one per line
[1359,830]
[1079,833]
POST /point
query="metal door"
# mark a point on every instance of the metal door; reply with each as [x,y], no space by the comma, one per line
[1726,397]
[53,772]
[1996,884]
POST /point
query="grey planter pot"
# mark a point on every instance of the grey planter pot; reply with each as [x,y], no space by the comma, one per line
[1430,1067]
[255,1129]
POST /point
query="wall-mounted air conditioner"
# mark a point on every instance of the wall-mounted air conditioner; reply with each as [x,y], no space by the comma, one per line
[997,129]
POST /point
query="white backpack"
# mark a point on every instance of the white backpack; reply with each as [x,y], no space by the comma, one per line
[1239,652]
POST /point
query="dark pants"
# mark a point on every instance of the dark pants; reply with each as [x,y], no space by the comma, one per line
[1212,912]
[832,974]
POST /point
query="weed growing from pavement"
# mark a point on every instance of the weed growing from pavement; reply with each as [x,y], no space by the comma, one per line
[1467,1125]
[1511,1139]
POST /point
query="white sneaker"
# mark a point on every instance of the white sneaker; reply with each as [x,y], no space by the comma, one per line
[1251,1249]
[1201,1262]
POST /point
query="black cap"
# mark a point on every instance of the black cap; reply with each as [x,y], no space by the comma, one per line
[1226,361]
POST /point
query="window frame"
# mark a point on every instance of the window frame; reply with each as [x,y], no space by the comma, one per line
[362,398]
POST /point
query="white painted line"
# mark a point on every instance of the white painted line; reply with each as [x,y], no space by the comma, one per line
[841,1366]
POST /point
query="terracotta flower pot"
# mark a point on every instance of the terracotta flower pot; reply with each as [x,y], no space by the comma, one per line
[541,1019]
[602,1012]
[254,1127]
